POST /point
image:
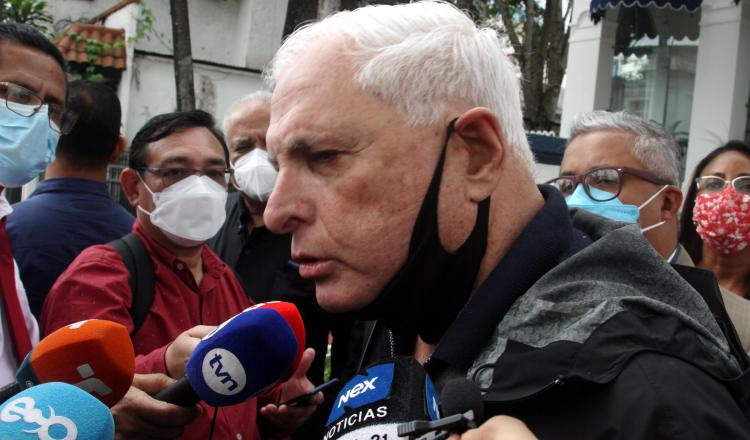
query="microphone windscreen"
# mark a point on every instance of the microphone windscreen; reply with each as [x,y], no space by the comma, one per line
[375,401]
[290,312]
[55,410]
[460,395]
[95,355]
[244,356]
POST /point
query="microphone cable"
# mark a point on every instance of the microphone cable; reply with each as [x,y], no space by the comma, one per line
[213,423]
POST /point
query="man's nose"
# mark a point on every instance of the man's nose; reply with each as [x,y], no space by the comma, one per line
[287,208]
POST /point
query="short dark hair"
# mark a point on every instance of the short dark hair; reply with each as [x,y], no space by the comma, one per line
[164,125]
[688,235]
[94,137]
[25,35]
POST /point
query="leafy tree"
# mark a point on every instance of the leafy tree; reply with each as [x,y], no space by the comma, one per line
[32,12]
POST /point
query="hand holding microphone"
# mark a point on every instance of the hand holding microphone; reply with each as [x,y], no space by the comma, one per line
[498,427]
[182,347]
[244,356]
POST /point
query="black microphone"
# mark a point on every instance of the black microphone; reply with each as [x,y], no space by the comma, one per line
[462,400]
[374,402]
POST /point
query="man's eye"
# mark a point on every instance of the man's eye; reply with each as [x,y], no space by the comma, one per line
[175,173]
[322,157]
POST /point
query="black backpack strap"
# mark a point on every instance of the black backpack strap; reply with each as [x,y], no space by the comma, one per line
[138,262]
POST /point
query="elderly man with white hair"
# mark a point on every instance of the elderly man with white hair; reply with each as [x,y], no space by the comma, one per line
[259,257]
[407,182]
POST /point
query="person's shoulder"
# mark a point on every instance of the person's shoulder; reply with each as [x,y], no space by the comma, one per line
[687,401]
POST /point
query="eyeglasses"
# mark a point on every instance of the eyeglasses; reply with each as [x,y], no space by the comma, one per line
[24,102]
[714,184]
[607,179]
[170,176]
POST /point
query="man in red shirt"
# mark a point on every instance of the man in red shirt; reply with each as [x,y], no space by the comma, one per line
[177,180]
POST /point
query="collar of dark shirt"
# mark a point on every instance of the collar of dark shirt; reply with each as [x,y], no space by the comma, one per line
[213,267]
[546,241]
[65,184]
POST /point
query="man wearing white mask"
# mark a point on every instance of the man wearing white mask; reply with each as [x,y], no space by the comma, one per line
[177,181]
[259,257]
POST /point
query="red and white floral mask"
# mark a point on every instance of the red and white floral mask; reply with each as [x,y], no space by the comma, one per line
[722,220]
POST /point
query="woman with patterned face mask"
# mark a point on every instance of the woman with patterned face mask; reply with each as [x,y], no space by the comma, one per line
[716,216]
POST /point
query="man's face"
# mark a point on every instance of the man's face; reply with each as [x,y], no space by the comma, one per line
[352,177]
[195,148]
[246,129]
[612,148]
[34,70]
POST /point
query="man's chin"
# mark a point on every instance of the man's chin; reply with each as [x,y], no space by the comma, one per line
[334,300]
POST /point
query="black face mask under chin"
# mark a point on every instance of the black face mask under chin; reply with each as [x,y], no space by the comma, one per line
[432,287]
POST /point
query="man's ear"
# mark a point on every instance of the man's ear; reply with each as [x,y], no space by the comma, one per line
[485,144]
[129,181]
[119,148]
[671,203]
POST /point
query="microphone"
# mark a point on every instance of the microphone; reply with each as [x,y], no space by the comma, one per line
[375,401]
[291,314]
[95,355]
[55,410]
[462,399]
[244,356]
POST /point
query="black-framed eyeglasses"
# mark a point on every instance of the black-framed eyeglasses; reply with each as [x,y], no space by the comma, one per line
[170,176]
[607,179]
[24,102]
[714,184]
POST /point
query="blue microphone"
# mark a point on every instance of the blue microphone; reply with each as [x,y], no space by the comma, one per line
[243,357]
[55,410]
[380,398]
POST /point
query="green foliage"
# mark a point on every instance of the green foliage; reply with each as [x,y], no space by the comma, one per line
[31,12]
[145,24]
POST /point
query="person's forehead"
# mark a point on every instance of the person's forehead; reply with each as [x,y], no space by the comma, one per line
[730,164]
[249,116]
[195,145]
[599,148]
[33,69]
[317,96]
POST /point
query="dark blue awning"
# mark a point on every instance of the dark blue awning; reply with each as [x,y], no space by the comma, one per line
[597,7]
[547,149]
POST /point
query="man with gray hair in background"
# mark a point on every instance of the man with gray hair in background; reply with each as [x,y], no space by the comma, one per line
[623,167]
[407,182]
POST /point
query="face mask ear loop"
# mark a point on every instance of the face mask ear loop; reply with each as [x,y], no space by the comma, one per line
[651,199]
[654,226]
[147,189]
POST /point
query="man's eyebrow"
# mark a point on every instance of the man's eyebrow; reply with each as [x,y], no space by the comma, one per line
[174,160]
[295,148]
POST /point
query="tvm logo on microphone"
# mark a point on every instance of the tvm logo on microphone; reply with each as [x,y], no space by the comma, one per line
[52,427]
[223,372]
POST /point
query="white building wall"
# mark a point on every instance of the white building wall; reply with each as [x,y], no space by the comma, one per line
[152,90]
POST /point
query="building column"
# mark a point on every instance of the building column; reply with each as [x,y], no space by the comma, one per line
[260,27]
[722,79]
[126,18]
[588,74]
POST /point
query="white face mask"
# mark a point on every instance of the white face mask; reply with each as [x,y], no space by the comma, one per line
[189,212]
[255,175]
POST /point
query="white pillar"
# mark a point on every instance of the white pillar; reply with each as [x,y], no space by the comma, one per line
[722,78]
[260,27]
[126,18]
[589,71]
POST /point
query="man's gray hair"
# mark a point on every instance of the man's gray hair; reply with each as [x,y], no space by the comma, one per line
[420,58]
[256,96]
[654,147]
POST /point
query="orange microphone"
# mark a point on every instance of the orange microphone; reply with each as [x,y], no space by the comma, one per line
[95,355]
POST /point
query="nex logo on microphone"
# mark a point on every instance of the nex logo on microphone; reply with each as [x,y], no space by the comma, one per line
[358,389]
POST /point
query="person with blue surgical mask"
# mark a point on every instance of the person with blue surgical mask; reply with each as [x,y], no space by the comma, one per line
[32,99]
[622,167]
